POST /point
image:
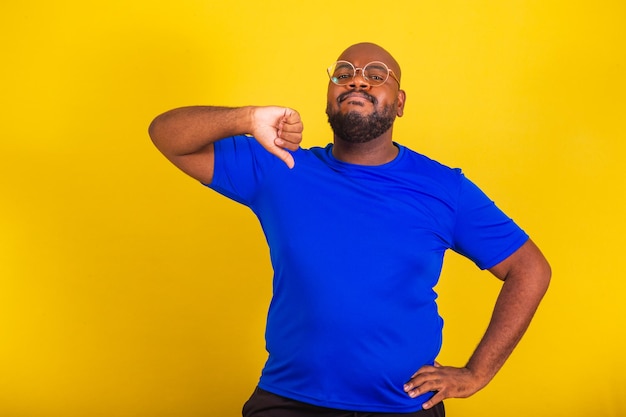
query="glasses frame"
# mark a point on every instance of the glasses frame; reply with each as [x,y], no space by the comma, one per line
[362,69]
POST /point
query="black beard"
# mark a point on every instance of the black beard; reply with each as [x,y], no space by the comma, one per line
[354,127]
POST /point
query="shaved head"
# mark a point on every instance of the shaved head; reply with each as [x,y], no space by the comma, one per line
[368,52]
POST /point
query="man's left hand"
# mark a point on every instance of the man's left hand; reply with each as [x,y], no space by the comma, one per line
[445,381]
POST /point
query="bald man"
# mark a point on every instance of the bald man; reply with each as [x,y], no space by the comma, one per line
[357,232]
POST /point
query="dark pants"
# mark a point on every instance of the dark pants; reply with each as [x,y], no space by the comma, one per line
[266,404]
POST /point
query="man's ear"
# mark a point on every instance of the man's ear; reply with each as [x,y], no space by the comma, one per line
[401,101]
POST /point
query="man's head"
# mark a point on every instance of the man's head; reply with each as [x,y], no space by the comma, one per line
[364,95]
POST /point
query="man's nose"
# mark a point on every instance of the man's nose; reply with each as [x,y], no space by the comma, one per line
[359,80]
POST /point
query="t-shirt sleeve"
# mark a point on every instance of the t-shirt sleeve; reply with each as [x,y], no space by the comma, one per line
[482,232]
[239,167]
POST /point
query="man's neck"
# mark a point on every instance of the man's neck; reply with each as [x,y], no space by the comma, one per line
[375,152]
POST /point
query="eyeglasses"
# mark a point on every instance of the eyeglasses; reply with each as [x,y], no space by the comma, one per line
[375,73]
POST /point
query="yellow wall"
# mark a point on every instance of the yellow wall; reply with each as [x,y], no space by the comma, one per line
[126,289]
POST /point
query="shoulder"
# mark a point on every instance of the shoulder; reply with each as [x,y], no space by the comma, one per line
[422,160]
[422,165]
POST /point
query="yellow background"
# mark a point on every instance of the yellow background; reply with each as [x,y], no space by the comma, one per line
[126,289]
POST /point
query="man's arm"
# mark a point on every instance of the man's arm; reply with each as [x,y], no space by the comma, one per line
[526,275]
[186,135]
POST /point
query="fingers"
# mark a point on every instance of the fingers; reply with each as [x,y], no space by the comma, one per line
[434,400]
[289,136]
[289,130]
[423,381]
[292,117]
[444,381]
[287,144]
[426,369]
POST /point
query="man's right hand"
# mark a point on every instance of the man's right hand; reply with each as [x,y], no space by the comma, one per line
[277,129]
[186,135]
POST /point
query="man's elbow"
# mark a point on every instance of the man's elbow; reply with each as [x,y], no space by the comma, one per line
[155,131]
[545,274]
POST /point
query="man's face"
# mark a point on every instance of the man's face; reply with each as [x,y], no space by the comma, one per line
[359,111]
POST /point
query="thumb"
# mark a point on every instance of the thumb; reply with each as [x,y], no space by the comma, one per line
[283,155]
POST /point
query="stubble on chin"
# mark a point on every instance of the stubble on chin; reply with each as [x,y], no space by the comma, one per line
[354,127]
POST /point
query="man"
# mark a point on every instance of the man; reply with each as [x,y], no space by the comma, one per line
[357,232]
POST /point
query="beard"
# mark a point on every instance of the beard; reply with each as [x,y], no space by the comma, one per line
[355,127]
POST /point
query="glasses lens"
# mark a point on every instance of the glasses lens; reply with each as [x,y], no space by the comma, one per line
[376,73]
[341,72]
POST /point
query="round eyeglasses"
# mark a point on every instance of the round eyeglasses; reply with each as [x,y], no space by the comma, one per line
[375,73]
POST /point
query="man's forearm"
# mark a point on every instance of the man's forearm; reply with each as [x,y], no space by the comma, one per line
[516,304]
[187,130]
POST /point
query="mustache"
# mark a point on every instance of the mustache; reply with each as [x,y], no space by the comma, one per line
[363,94]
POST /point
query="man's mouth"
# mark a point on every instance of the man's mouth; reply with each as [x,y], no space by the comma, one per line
[358,95]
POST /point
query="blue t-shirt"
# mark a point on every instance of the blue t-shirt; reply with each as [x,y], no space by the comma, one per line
[356,251]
